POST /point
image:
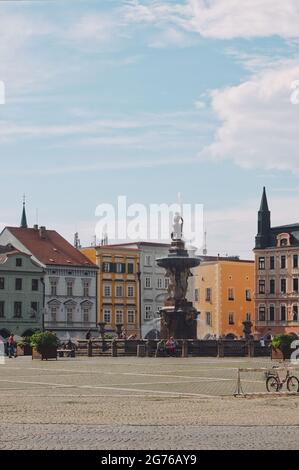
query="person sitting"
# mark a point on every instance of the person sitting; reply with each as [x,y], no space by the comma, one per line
[171,346]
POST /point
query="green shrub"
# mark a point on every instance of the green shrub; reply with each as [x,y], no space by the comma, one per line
[41,341]
[282,341]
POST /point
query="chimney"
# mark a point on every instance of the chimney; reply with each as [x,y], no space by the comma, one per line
[35,227]
[43,233]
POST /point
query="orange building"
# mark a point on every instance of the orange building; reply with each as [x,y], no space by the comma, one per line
[223,292]
[118,286]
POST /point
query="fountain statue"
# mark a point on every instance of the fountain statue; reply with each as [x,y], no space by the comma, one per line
[178,316]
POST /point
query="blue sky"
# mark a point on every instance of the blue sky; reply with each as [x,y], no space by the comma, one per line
[148,99]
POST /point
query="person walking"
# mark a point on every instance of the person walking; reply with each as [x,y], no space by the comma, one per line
[12,350]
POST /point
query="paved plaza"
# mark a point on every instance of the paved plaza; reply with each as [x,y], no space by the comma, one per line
[141,403]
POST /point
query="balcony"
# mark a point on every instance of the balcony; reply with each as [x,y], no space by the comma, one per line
[75,325]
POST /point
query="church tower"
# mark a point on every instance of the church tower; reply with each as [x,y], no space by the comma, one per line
[264,223]
[24,217]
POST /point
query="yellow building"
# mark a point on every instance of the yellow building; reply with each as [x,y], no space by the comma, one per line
[223,291]
[118,286]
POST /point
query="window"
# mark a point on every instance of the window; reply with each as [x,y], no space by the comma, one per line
[107,316]
[295,284]
[231,294]
[119,317]
[282,313]
[130,268]
[2,283]
[86,289]
[19,284]
[271,313]
[295,312]
[248,316]
[120,268]
[107,290]
[34,285]
[261,286]
[262,313]
[53,313]
[106,267]
[130,291]
[283,286]
[131,316]
[19,262]
[18,309]
[231,318]
[272,262]
[69,288]
[272,286]
[248,294]
[196,295]
[166,282]
[53,288]
[2,309]
[86,315]
[208,318]
[34,309]
[119,291]
[148,282]
[282,262]
[159,283]
[284,242]
[295,261]
[69,314]
[208,294]
[148,260]
[148,312]
[261,263]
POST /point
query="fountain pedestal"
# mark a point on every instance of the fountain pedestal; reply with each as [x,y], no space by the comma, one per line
[178,316]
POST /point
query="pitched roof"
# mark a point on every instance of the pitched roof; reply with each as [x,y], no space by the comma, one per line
[51,248]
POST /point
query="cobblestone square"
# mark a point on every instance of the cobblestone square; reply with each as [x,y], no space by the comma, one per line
[141,403]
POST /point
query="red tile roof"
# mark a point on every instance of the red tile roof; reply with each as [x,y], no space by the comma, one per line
[53,249]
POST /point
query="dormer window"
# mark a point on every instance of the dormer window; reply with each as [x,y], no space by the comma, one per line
[283,239]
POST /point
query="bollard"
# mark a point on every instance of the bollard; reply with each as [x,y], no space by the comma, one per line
[184,348]
[89,348]
[141,350]
[114,349]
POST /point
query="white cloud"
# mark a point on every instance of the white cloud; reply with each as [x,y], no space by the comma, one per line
[223,19]
[259,124]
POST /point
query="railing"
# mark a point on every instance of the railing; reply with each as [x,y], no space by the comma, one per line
[194,348]
[54,325]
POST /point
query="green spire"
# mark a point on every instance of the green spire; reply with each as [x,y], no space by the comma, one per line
[24,217]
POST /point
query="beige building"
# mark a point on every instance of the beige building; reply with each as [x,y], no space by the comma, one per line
[277,275]
[223,293]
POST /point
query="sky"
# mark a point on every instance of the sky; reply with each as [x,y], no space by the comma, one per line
[148,99]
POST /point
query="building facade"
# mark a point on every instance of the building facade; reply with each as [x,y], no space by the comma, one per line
[277,275]
[21,293]
[118,287]
[223,293]
[153,285]
[70,308]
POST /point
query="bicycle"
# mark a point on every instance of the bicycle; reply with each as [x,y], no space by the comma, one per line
[274,383]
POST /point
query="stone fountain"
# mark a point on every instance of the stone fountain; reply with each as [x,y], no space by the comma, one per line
[178,316]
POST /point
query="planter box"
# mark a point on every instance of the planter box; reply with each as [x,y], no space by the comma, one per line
[47,353]
[278,354]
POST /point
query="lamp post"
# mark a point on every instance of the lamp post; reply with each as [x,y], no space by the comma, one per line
[139,299]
